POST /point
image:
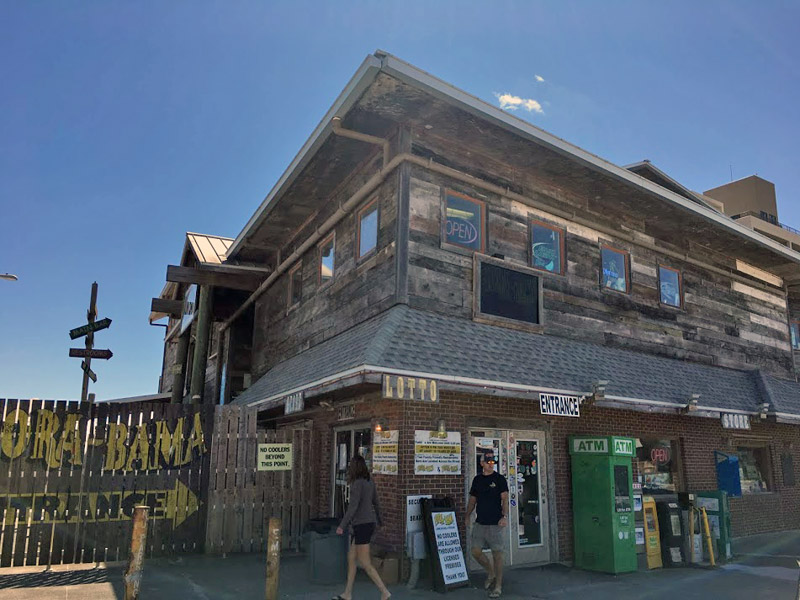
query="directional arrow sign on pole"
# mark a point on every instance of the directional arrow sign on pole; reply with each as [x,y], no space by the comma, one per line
[85,353]
[89,328]
[92,375]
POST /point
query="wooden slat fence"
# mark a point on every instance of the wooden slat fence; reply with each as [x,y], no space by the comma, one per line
[71,473]
[241,498]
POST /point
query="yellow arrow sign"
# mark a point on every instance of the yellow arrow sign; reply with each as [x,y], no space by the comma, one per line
[175,505]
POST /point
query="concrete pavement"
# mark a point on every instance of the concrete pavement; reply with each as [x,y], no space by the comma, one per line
[765,567]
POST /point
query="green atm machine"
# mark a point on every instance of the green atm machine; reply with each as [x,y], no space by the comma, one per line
[602,503]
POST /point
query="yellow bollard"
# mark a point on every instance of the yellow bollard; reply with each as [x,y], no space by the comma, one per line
[133,576]
[273,557]
[691,534]
[708,537]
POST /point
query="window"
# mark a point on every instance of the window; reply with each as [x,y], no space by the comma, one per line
[547,247]
[367,229]
[508,293]
[615,269]
[794,329]
[656,463]
[753,469]
[326,266]
[670,286]
[464,222]
[295,284]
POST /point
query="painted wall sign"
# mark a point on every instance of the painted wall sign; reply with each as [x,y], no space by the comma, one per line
[735,421]
[294,403]
[448,544]
[410,388]
[384,452]
[189,306]
[559,405]
[348,411]
[435,455]
[275,457]
[414,513]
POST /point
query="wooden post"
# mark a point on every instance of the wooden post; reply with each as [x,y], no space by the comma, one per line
[179,377]
[273,558]
[91,315]
[198,380]
[133,576]
[709,542]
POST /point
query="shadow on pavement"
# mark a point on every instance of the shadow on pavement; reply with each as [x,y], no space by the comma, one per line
[55,579]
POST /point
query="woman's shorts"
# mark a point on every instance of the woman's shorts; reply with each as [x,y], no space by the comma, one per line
[362,534]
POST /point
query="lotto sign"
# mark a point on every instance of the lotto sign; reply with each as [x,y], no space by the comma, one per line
[274,457]
[735,421]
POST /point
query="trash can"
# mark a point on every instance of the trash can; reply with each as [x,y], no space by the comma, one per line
[326,552]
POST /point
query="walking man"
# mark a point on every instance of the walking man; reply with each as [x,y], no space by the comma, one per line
[489,492]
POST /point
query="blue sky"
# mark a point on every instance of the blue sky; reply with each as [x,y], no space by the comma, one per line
[124,125]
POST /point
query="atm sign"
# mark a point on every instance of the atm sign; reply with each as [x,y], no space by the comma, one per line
[590,446]
[624,447]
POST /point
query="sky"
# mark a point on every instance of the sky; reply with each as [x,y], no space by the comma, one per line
[124,125]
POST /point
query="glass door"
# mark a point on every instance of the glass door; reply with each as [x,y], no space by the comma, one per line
[347,441]
[528,523]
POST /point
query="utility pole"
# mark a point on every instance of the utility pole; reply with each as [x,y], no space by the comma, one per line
[88,353]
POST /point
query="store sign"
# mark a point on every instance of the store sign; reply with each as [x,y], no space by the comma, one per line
[384,452]
[560,406]
[735,421]
[437,455]
[294,403]
[275,457]
[410,388]
[346,412]
[590,446]
[414,513]
[448,546]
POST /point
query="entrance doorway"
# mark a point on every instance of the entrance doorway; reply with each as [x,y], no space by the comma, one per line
[522,461]
[347,440]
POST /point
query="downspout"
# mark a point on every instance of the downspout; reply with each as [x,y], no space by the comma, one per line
[336,122]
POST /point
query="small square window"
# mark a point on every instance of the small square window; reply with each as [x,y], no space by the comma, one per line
[670,286]
[464,222]
[753,469]
[367,235]
[326,262]
[615,269]
[507,294]
[547,247]
[295,285]
[794,329]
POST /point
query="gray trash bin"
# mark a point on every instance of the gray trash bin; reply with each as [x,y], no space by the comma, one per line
[326,552]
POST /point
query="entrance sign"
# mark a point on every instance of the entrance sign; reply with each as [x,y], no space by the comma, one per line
[448,545]
[89,328]
[275,457]
[294,403]
[410,388]
[735,421]
[437,455]
[559,405]
[384,452]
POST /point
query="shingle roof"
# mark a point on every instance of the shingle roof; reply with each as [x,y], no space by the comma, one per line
[406,339]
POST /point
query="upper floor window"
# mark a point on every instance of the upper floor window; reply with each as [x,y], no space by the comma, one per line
[367,229]
[670,286]
[326,266]
[547,247]
[504,293]
[615,266]
[464,222]
[794,328]
[295,284]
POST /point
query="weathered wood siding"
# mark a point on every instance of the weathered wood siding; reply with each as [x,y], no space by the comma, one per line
[724,321]
[358,291]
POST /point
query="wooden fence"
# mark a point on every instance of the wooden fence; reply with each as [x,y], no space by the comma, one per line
[71,473]
[241,499]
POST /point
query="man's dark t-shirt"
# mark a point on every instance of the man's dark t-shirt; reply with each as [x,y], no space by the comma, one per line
[487,490]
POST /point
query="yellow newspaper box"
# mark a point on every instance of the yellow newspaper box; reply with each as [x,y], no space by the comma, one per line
[652,538]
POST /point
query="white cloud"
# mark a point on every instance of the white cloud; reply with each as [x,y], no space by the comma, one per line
[510,102]
[539,78]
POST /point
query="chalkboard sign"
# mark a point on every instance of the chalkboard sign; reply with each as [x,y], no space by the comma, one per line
[508,293]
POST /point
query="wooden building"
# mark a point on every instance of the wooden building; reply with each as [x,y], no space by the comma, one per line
[431,263]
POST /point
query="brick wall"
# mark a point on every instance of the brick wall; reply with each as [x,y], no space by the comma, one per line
[697,437]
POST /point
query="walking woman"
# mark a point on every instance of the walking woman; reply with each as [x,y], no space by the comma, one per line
[363,513]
